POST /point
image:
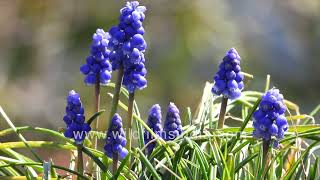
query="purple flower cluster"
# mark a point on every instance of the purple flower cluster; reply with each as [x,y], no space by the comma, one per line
[172,124]
[97,67]
[229,79]
[77,128]
[127,46]
[116,140]
[269,120]
[154,122]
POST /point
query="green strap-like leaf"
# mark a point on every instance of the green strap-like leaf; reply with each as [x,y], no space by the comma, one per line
[9,122]
[95,159]
[148,165]
[94,116]
[244,162]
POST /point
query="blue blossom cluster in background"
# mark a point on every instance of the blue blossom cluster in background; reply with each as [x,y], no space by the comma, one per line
[269,120]
[154,122]
[77,128]
[172,124]
[127,46]
[116,140]
[229,79]
[97,67]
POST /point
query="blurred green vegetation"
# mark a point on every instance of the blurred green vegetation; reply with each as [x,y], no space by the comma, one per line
[43,44]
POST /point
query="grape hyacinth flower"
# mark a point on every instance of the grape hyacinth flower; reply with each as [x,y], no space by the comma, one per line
[154,122]
[172,124]
[77,128]
[116,141]
[269,120]
[229,79]
[98,68]
[127,46]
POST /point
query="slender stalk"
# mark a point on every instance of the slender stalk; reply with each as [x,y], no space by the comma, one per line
[95,124]
[115,159]
[96,109]
[80,161]
[114,107]
[116,95]
[265,149]
[265,153]
[222,114]
[267,83]
[129,126]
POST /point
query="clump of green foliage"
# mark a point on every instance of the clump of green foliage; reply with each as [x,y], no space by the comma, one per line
[201,152]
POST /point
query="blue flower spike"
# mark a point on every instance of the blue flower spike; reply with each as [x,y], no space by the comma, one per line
[229,79]
[154,122]
[97,68]
[269,120]
[77,128]
[172,124]
[116,139]
[127,46]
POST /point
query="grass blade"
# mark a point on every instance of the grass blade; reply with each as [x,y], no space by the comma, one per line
[293,167]
[244,162]
[94,116]
[313,170]
[95,159]
[9,122]
[148,165]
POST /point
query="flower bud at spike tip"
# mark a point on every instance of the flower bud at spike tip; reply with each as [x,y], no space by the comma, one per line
[97,67]
[75,119]
[154,123]
[229,79]
[172,124]
[116,139]
[269,120]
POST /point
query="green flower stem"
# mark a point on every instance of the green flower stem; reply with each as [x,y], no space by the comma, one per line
[115,102]
[129,126]
[95,124]
[80,161]
[116,95]
[267,87]
[222,114]
[115,159]
[97,104]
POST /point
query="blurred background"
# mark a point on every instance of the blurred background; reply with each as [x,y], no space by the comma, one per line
[43,43]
